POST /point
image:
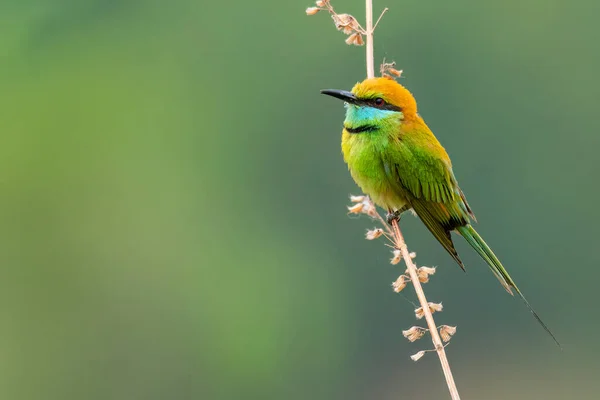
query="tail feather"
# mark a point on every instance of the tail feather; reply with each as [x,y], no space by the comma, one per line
[437,229]
[481,247]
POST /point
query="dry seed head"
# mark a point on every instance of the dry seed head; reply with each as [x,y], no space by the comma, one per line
[355,39]
[363,207]
[387,69]
[424,273]
[369,208]
[321,3]
[394,72]
[357,199]
[397,257]
[312,10]
[417,356]
[433,307]
[356,209]
[374,234]
[347,30]
[345,23]
[415,333]
[446,332]
[413,255]
[419,313]
[359,40]
[399,284]
[423,277]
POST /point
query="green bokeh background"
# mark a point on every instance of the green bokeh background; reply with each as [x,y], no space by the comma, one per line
[172,201]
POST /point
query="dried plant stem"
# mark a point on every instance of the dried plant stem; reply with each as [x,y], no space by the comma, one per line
[435,337]
[349,25]
[369,35]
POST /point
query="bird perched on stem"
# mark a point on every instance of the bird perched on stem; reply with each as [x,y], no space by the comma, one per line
[395,158]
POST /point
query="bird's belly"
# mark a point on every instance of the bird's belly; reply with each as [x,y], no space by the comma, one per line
[374,182]
[364,159]
[382,194]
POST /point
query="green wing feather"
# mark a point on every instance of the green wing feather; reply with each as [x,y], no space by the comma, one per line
[427,215]
[423,173]
[430,187]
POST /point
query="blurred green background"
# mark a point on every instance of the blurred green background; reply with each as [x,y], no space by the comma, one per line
[172,201]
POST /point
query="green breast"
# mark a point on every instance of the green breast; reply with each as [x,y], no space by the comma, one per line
[364,156]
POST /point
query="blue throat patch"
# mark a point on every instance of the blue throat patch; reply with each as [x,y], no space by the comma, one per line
[358,116]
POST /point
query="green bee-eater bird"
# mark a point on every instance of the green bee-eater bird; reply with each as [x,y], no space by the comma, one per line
[395,159]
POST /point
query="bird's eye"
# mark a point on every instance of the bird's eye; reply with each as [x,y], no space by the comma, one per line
[379,101]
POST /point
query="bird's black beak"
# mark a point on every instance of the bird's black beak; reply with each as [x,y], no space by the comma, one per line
[348,97]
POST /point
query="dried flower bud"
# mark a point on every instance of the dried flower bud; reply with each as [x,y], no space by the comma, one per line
[369,208]
[413,255]
[446,332]
[363,206]
[394,72]
[415,333]
[345,23]
[387,69]
[417,356]
[433,307]
[399,284]
[397,257]
[424,273]
[321,3]
[374,234]
[357,39]
[356,209]
[419,313]
[312,10]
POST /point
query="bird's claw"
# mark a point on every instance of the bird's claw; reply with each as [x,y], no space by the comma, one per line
[392,216]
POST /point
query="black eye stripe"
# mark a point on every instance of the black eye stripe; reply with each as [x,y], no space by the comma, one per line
[384,106]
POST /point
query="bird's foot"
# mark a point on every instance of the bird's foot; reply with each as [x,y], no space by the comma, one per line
[392,216]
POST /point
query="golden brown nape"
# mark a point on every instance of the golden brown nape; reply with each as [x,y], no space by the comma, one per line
[391,91]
